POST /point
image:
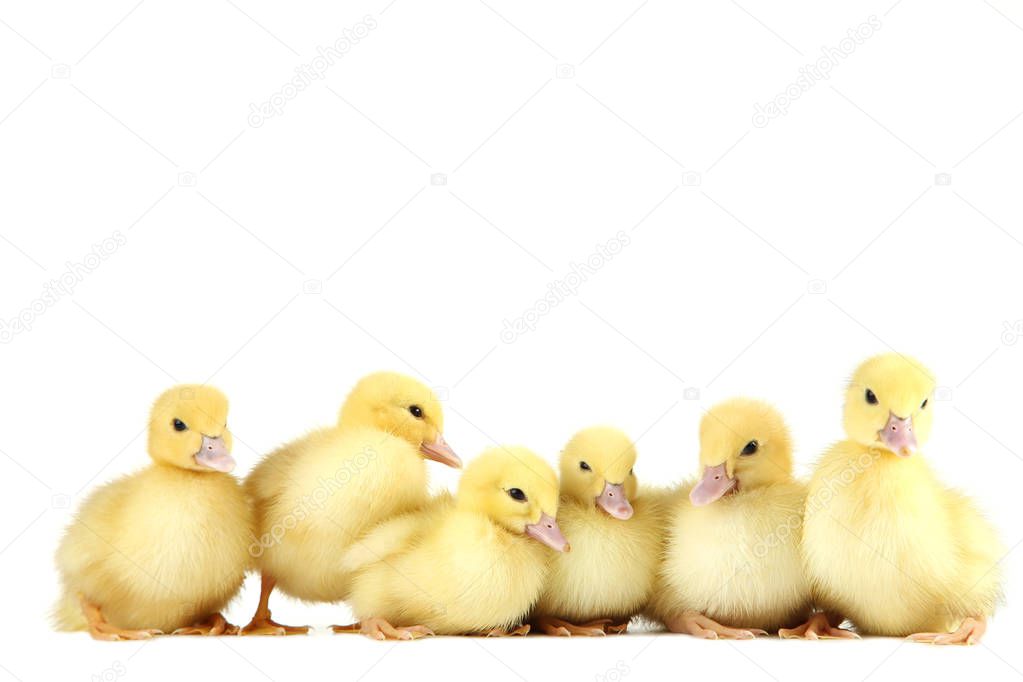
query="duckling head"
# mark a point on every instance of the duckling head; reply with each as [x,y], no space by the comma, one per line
[596,467]
[188,429]
[887,404]
[401,406]
[744,444]
[515,489]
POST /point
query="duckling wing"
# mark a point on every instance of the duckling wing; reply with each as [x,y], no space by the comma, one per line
[978,589]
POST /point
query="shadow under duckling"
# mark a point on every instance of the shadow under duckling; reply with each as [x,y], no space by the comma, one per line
[317,495]
[164,549]
[474,564]
[886,543]
[609,575]
[731,566]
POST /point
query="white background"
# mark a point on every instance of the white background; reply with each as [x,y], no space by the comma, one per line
[284,261]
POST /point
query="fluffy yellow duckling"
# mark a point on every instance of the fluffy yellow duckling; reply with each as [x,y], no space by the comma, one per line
[886,543]
[471,565]
[164,549]
[315,496]
[609,575]
[731,566]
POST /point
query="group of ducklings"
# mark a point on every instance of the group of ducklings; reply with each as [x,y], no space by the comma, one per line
[343,514]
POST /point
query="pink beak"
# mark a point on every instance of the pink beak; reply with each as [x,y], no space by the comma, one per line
[440,451]
[213,454]
[897,435]
[713,485]
[614,501]
[546,530]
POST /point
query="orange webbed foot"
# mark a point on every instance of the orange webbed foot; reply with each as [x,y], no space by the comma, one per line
[557,627]
[264,625]
[699,625]
[817,627]
[380,629]
[100,629]
[520,631]
[970,632]
[211,627]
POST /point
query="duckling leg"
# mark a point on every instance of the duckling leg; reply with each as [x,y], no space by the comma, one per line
[378,628]
[699,625]
[520,631]
[261,623]
[562,628]
[970,632]
[100,629]
[212,626]
[617,628]
[818,626]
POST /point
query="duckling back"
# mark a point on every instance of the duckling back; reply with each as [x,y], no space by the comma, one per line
[316,496]
[462,575]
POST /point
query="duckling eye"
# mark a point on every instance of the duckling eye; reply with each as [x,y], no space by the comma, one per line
[750,449]
[630,472]
[179,425]
[584,466]
[416,411]
[923,404]
[871,398]
[517,494]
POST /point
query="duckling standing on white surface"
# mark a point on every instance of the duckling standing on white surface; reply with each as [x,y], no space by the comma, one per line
[732,566]
[164,549]
[613,525]
[316,496]
[886,543]
[472,565]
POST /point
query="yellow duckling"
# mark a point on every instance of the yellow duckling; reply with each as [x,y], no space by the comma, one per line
[164,549]
[465,566]
[732,566]
[315,496]
[609,575]
[887,544]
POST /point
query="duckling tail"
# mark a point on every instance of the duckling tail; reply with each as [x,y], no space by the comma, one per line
[67,614]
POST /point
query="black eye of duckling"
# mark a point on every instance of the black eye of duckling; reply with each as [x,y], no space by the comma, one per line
[871,398]
[584,466]
[923,404]
[750,449]
[416,411]
[517,494]
[180,425]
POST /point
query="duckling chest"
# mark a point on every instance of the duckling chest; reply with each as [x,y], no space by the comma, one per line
[738,557]
[191,531]
[610,570]
[881,540]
